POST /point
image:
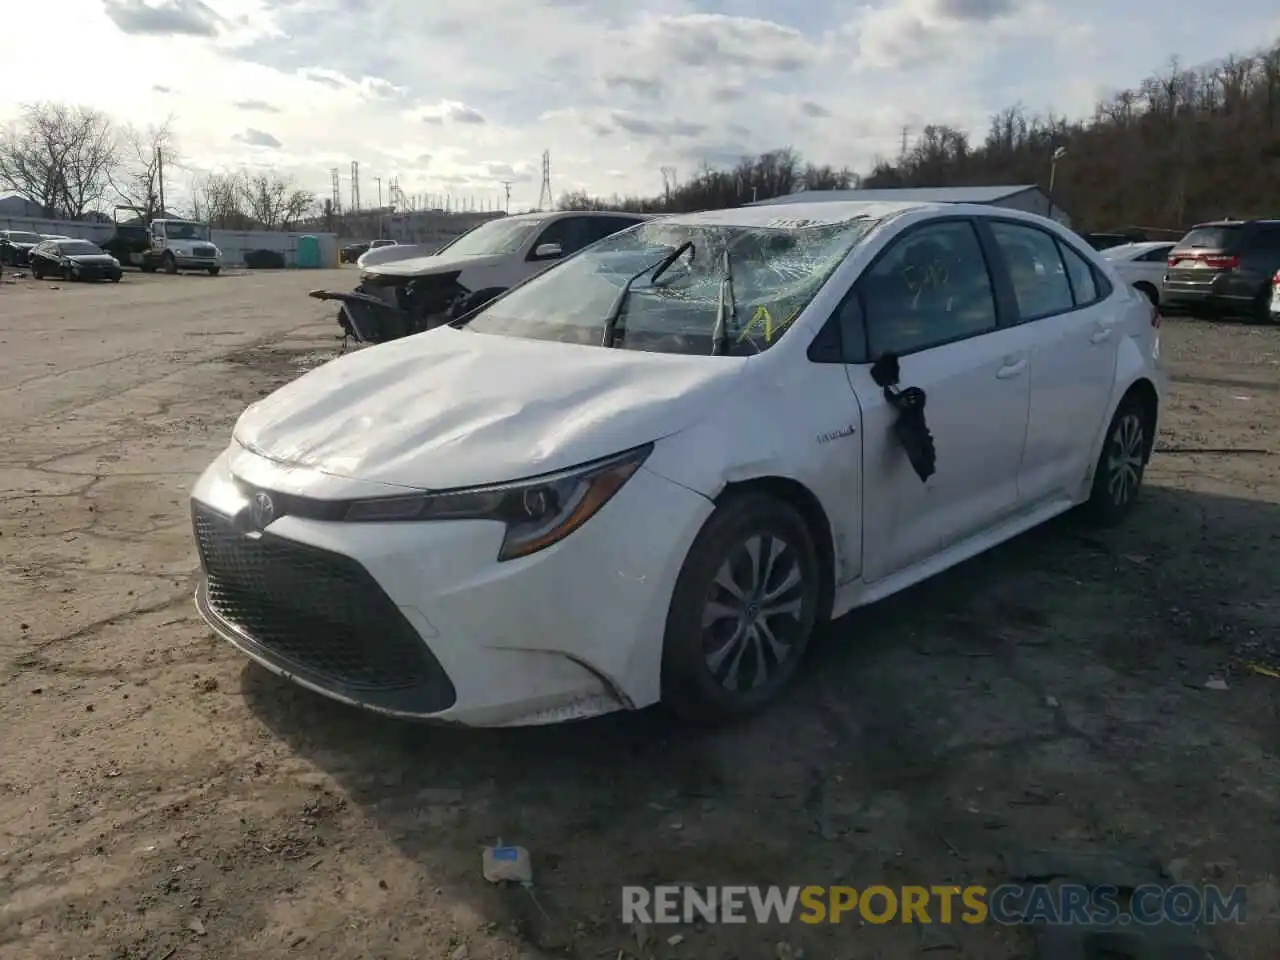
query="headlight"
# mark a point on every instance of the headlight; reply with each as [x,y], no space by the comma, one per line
[537,513]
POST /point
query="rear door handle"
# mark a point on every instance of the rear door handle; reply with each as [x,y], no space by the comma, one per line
[1011,368]
[1100,335]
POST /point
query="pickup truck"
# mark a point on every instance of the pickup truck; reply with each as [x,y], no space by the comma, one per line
[169,245]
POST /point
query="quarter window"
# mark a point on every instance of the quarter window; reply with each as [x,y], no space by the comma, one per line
[929,288]
[1084,285]
[1035,268]
[1158,255]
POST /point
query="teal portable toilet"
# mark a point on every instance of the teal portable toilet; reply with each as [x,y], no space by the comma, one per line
[309,252]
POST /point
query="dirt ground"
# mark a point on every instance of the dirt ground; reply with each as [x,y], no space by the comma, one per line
[161,798]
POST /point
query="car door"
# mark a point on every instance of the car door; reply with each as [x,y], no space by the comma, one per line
[1063,299]
[930,297]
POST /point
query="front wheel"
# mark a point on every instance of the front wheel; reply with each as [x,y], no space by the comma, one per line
[1117,479]
[742,612]
[213,271]
[170,264]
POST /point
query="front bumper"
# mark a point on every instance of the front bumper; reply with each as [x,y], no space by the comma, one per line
[419,620]
[197,263]
[97,272]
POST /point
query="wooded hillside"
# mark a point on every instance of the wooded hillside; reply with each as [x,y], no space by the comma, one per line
[1185,145]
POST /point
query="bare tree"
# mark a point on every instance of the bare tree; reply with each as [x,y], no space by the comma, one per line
[218,200]
[275,202]
[59,157]
[147,156]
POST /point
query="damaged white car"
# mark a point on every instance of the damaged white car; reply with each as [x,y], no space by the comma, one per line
[649,473]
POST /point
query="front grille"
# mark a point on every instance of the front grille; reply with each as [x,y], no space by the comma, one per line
[319,615]
[203,251]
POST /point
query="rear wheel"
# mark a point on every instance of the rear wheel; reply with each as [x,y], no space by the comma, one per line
[742,612]
[1117,479]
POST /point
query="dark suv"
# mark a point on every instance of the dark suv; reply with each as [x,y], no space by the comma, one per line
[1223,267]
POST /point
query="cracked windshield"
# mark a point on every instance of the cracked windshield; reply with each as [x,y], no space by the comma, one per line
[688,480]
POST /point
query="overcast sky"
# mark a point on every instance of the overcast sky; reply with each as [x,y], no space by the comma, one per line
[459,95]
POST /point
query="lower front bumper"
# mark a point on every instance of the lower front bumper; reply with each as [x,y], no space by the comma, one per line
[573,631]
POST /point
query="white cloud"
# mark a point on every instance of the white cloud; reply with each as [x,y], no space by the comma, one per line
[463,95]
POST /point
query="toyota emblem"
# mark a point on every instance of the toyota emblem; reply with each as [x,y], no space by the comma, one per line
[262,511]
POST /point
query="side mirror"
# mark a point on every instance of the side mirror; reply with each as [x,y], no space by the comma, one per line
[546,251]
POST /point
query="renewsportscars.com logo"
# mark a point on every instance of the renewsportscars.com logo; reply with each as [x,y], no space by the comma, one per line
[1009,904]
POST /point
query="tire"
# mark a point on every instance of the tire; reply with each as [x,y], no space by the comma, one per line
[170,264]
[1117,478]
[1150,292]
[37,273]
[115,278]
[213,271]
[146,266]
[696,684]
[68,274]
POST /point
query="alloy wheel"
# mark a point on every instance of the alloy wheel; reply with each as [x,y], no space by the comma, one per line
[1124,459]
[753,616]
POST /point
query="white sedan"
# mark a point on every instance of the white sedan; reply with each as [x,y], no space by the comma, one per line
[647,474]
[1142,265]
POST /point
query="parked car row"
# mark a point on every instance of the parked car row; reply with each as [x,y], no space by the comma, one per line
[16,245]
[1220,268]
[62,257]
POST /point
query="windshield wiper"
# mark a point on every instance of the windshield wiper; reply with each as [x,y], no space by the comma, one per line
[726,313]
[615,312]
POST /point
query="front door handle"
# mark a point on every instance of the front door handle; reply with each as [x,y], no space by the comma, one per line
[1011,368]
[1101,335]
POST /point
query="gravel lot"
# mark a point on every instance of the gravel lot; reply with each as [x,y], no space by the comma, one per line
[160,798]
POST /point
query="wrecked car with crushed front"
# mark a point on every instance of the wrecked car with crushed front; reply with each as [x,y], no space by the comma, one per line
[402,296]
[647,474]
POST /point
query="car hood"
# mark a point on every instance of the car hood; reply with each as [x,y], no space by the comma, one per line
[21,244]
[92,259]
[451,408]
[435,263]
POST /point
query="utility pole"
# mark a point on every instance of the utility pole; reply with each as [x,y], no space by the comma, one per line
[378,181]
[160,175]
[506,189]
[905,130]
[355,186]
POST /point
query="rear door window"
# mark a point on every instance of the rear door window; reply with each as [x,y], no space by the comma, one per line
[1084,282]
[1155,255]
[1035,268]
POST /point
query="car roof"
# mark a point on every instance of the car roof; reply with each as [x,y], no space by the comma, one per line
[1233,223]
[1137,247]
[824,212]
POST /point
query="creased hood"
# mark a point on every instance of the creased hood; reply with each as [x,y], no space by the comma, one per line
[452,408]
[433,263]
